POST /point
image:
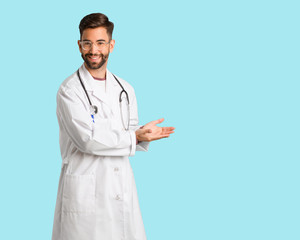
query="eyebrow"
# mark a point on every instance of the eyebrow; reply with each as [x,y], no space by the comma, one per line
[99,40]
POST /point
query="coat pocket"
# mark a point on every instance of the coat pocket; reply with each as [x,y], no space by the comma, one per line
[79,194]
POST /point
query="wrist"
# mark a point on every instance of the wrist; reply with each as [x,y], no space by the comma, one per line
[137,135]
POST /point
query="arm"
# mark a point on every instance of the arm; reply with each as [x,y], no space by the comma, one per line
[134,124]
[105,137]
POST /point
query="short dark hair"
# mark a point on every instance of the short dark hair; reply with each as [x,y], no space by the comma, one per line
[95,20]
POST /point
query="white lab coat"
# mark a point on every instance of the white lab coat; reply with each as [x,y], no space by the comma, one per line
[97,197]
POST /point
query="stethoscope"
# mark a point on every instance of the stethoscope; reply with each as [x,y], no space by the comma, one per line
[94,108]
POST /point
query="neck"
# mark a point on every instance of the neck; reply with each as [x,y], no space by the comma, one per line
[97,73]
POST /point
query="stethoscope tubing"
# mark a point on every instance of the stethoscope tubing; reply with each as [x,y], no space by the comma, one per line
[120,99]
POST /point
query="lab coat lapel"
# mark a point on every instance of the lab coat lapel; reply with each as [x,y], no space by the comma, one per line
[104,96]
[113,91]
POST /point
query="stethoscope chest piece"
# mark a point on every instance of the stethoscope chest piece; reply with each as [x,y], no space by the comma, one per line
[93,109]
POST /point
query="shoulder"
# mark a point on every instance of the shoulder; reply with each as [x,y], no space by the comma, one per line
[70,86]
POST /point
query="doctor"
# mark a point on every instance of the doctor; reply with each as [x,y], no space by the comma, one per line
[98,129]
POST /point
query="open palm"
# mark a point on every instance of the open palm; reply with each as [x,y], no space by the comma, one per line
[151,132]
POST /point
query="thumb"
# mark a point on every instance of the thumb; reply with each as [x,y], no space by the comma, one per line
[158,121]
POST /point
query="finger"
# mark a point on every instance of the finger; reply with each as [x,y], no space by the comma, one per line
[161,136]
[167,129]
[164,130]
[157,121]
[168,132]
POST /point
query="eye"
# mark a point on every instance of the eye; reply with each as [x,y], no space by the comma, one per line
[100,44]
[86,44]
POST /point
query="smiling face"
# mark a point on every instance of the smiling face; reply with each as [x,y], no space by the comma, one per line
[101,45]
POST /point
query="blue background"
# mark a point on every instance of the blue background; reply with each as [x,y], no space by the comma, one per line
[224,73]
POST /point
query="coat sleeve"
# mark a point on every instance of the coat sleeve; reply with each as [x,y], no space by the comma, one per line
[134,123]
[105,137]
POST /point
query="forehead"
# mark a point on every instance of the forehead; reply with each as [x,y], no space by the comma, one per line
[95,34]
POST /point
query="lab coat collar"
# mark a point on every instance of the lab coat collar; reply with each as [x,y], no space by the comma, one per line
[89,83]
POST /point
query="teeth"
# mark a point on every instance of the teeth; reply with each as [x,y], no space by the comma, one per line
[94,58]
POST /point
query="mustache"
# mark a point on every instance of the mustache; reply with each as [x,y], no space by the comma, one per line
[93,55]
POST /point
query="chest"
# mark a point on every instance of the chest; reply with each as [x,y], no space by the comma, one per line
[109,105]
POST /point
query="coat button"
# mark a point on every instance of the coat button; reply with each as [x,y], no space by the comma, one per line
[118,197]
[116,169]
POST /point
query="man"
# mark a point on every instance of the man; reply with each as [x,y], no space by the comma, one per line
[97,197]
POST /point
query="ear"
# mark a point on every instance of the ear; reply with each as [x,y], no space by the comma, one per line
[111,45]
[79,45]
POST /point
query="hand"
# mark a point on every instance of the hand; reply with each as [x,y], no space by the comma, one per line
[151,132]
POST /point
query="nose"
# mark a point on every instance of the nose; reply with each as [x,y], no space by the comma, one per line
[94,48]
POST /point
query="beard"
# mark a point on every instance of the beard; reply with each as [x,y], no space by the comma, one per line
[94,65]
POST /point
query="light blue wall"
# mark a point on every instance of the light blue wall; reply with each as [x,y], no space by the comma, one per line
[224,73]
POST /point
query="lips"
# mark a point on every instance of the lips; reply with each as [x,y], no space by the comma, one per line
[93,58]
